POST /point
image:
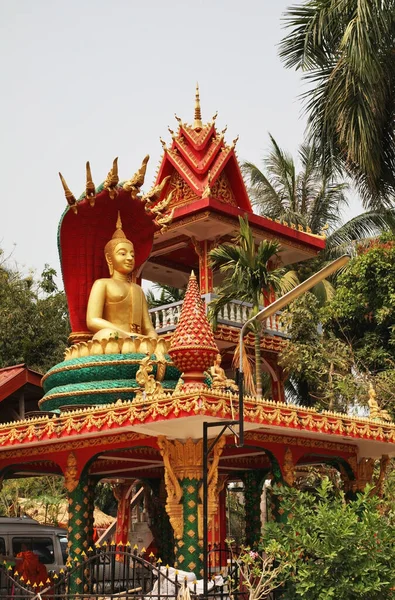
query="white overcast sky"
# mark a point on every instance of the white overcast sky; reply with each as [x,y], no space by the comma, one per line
[94,79]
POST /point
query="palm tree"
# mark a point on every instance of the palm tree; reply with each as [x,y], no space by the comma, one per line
[247,275]
[346,49]
[168,295]
[312,198]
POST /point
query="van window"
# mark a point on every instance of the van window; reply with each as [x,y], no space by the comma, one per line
[63,546]
[41,546]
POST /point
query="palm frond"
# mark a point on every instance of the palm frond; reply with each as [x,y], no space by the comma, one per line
[346,51]
[323,291]
[365,225]
[263,195]
[281,169]
[248,369]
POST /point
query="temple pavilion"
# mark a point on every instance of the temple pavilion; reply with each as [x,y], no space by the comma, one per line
[132,408]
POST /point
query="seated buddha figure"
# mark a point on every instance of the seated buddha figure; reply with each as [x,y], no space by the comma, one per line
[117,307]
[219,379]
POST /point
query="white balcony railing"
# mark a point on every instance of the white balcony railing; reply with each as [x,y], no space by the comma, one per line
[166,317]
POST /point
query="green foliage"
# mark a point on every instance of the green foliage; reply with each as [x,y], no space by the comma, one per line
[345,49]
[33,320]
[309,198]
[46,493]
[362,314]
[246,270]
[105,499]
[338,350]
[314,198]
[257,572]
[235,515]
[320,366]
[167,295]
[334,549]
[363,309]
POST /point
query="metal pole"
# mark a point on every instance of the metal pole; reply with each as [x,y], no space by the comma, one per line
[263,314]
[205,510]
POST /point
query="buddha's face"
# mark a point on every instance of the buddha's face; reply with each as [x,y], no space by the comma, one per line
[122,258]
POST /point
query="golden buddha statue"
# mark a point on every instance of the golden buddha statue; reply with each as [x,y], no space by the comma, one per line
[117,307]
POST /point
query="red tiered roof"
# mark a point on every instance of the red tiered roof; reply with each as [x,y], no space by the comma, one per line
[200,158]
[208,196]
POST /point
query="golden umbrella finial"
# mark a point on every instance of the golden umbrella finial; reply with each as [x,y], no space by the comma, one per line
[198,114]
[71,201]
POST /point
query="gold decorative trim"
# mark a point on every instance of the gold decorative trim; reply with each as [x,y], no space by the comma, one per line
[215,403]
[114,345]
[70,474]
[109,440]
[256,436]
[289,468]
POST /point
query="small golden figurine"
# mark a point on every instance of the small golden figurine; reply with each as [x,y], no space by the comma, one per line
[218,376]
[375,412]
[117,307]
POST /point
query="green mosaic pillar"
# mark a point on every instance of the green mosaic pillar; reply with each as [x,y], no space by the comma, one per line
[80,528]
[183,473]
[253,481]
[188,548]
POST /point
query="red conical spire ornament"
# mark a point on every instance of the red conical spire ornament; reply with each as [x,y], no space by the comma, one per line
[192,347]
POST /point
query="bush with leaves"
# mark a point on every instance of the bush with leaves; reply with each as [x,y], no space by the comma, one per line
[256,571]
[335,549]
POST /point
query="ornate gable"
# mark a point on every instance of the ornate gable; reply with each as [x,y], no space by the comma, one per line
[200,164]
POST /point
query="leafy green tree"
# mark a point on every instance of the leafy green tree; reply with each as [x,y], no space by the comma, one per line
[33,319]
[247,276]
[312,198]
[321,368]
[346,49]
[362,313]
[335,549]
[47,492]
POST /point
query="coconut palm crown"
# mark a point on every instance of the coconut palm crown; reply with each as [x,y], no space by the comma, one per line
[346,49]
[249,271]
[313,197]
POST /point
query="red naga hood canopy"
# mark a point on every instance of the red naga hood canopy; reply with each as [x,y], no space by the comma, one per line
[89,223]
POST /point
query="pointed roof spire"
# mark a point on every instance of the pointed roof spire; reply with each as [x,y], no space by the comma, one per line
[192,347]
[198,115]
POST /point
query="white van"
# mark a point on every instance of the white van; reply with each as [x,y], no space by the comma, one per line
[24,533]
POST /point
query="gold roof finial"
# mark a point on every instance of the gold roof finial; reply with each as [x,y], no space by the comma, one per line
[198,114]
[72,202]
[90,190]
[119,222]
